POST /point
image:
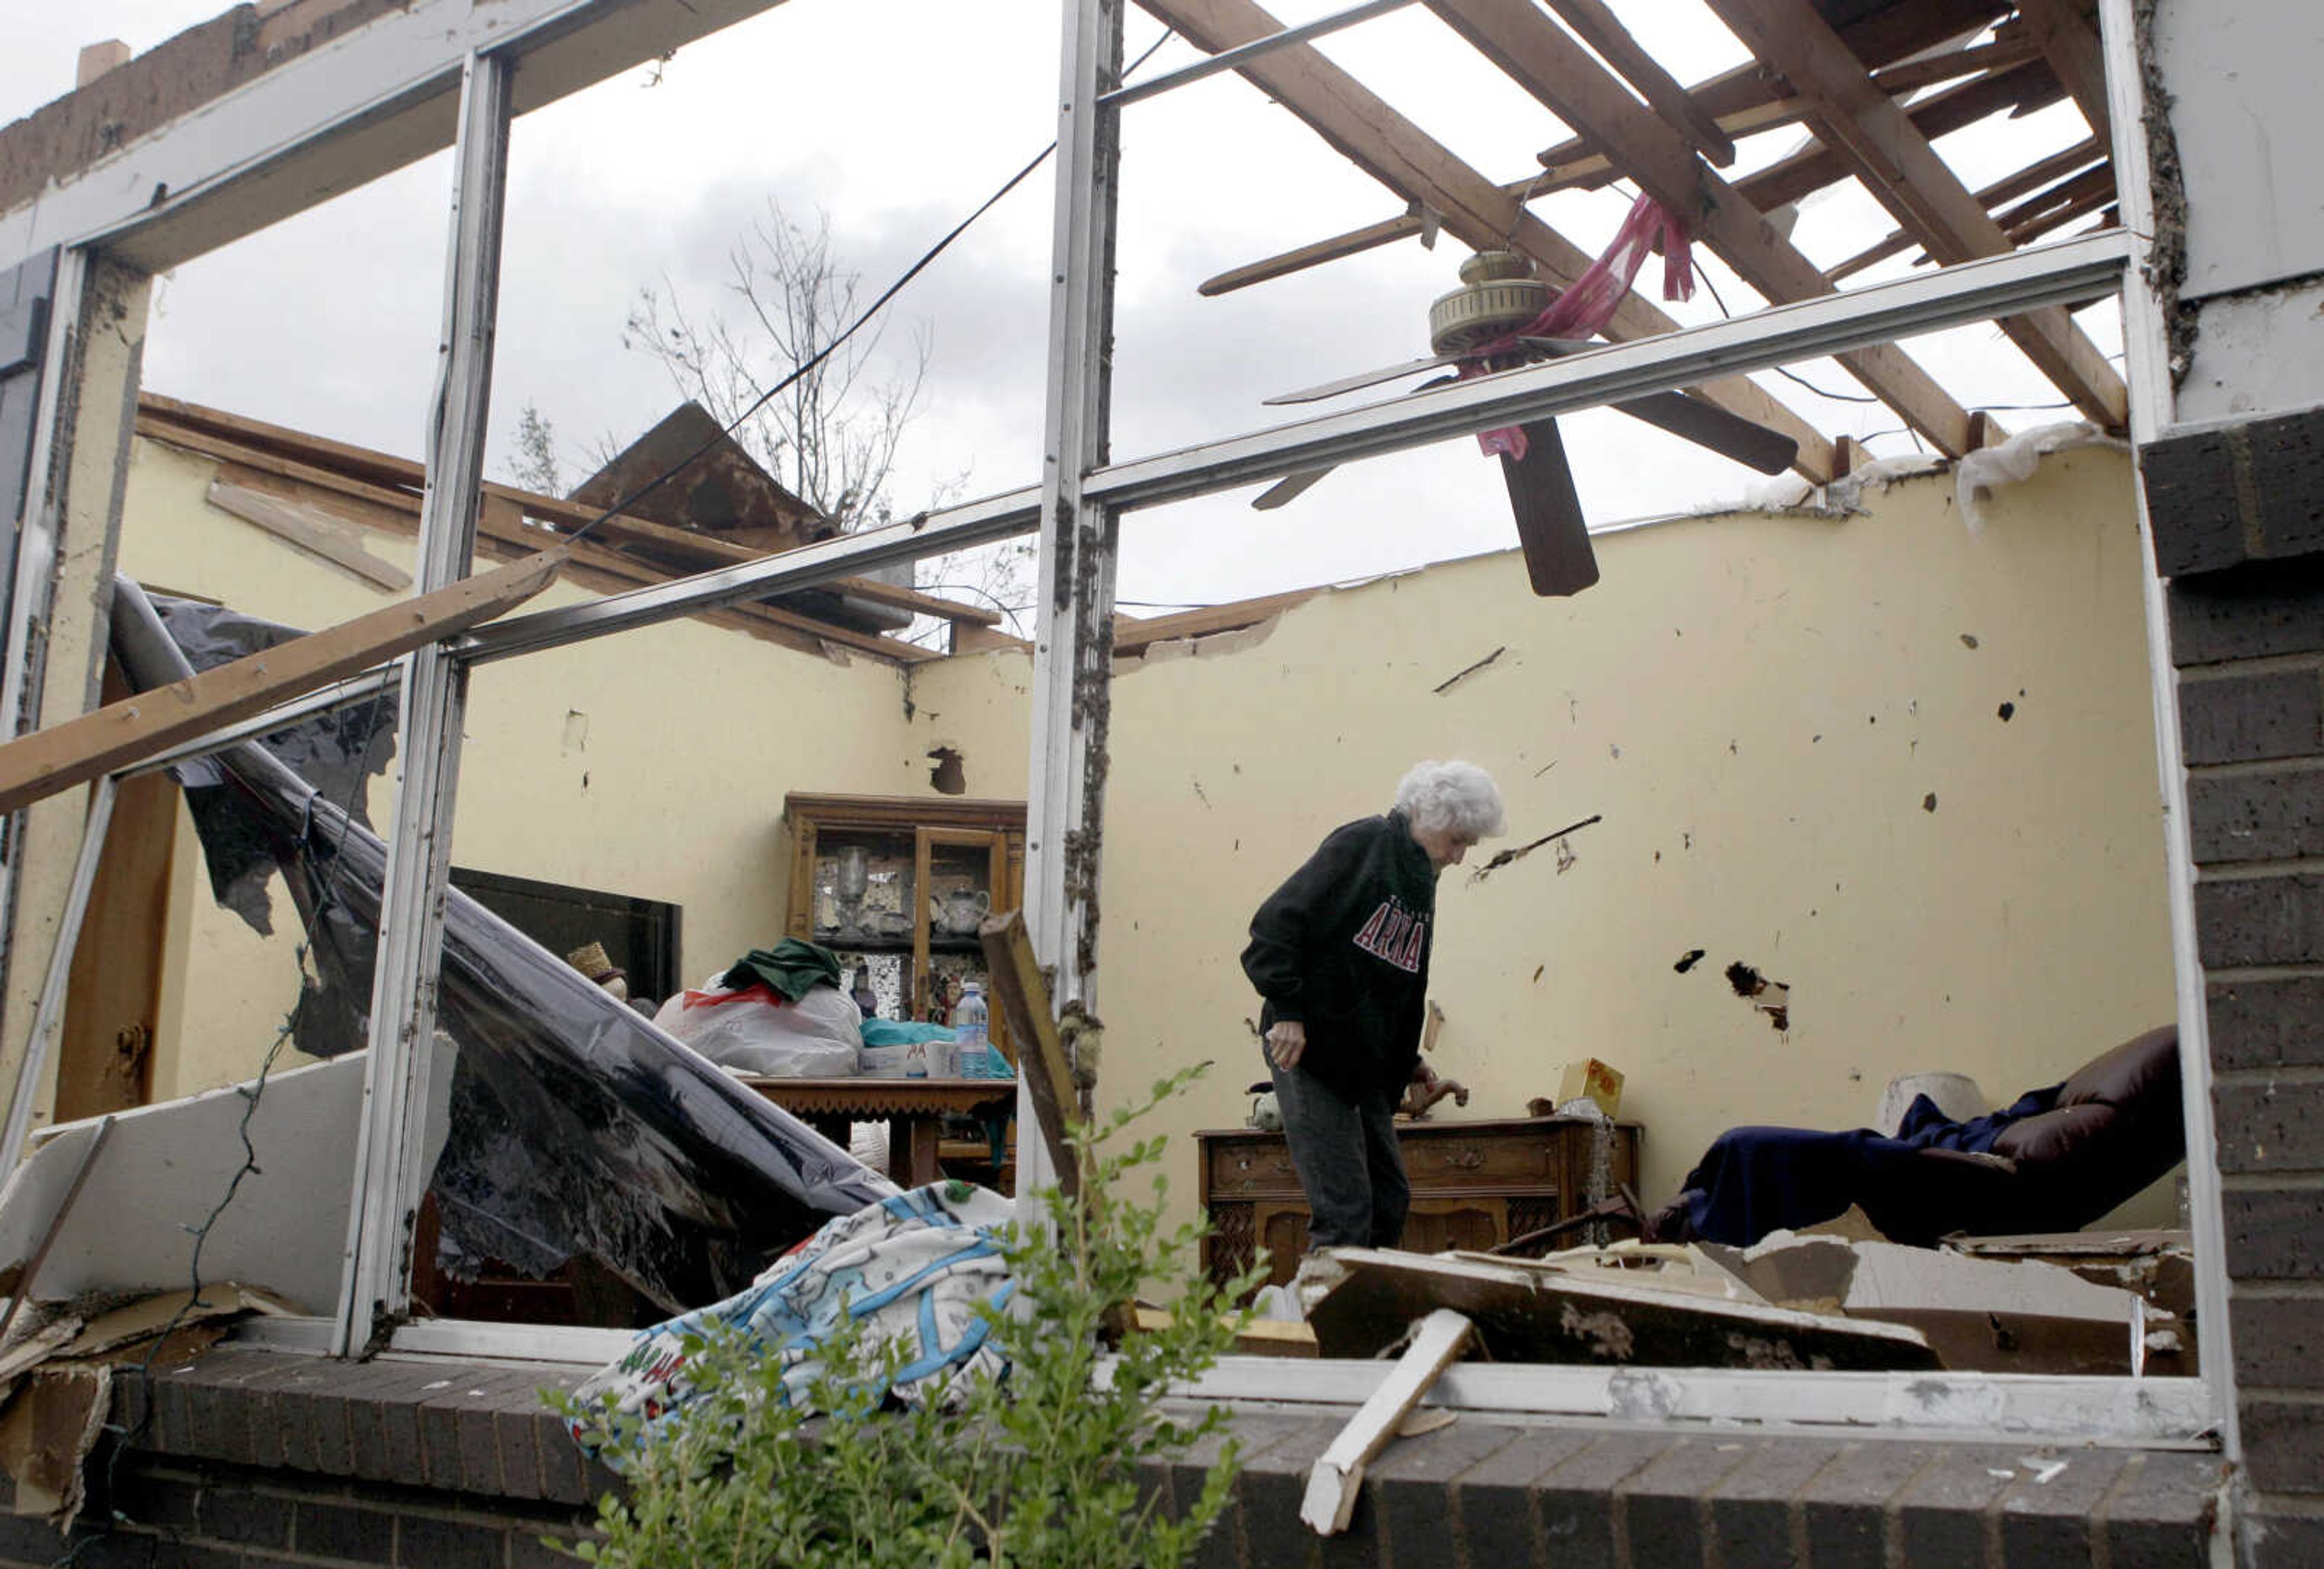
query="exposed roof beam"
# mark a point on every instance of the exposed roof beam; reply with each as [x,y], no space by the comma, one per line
[2000,191]
[2020,89]
[1361,127]
[1371,236]
[1894,158]
[1601,30]
[1743,102]
[1751,98]
[2068,40]
[1545,63]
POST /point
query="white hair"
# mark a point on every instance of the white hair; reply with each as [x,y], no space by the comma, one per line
[1460,795]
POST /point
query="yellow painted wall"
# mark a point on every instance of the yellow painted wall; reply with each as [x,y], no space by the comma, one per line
[653,763]
[1761,707]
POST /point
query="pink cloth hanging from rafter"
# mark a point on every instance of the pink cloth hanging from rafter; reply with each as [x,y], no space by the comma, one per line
[1584,310]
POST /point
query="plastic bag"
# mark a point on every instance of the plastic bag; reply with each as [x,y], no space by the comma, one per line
[755,1031]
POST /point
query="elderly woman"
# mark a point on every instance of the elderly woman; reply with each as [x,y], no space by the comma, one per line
[1340,953]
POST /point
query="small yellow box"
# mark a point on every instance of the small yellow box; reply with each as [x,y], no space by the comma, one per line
[1594,1081]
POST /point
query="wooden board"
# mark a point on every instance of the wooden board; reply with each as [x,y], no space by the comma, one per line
[1023,994]
[122,734]
[1525,1315]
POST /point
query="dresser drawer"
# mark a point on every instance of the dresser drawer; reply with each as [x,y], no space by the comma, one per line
[1257,1168]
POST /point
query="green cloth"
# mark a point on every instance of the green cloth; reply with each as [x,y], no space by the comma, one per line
[791,968]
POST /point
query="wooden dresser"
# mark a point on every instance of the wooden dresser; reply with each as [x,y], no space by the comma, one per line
[1474,1185]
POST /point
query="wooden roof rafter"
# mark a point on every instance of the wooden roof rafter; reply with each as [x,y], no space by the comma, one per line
[1540,58]
[1750,99]
[1893,158]
[2008,189]
[1362,127]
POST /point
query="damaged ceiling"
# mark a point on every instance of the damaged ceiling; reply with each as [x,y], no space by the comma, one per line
[1840,95]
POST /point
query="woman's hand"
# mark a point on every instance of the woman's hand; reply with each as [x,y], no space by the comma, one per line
[1286,1040]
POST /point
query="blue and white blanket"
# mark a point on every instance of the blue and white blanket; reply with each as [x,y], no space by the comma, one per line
[913,1268]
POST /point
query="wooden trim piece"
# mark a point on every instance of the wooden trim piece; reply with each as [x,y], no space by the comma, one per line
[1601,30]
[1022,994]
[1883,147]
[1337,1479]
[1359,124]
[122,734]
[309,529]
[905,812]
[1538,57]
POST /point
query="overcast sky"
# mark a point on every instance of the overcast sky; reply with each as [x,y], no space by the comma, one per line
[896,118]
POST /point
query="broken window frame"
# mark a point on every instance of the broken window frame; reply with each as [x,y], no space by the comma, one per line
[1076,508]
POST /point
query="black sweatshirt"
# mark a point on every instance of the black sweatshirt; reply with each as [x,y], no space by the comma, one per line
[1343,948]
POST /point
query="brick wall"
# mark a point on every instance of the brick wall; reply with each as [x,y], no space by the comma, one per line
[2238,516]
[257,1460]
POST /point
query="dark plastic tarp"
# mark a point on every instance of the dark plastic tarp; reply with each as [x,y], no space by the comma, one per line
[576,1126]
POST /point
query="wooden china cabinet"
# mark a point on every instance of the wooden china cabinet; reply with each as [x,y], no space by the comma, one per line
[895,886]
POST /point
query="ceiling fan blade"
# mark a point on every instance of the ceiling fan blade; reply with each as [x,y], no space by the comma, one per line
[1288,489]
[1550,524]
[1748,442]
[1360,379]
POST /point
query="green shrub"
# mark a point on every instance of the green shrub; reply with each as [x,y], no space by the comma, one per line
[1037,1471]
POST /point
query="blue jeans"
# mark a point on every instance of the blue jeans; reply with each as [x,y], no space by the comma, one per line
[1346,1155]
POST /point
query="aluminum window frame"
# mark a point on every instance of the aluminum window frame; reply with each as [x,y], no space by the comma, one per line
[1076,508]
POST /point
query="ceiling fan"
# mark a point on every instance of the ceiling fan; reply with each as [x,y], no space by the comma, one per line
[1479,327]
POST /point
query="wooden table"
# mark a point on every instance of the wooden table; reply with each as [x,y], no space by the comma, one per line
[1474,1185]
[913,1109]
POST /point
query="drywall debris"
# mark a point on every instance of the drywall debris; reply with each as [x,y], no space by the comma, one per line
[1978,474]
[1772,997]
[1688,960]
[1459,676]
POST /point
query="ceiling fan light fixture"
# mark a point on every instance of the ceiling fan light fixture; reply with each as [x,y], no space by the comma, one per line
[1497,295]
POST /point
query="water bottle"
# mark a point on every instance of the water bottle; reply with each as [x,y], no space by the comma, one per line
[968,1032]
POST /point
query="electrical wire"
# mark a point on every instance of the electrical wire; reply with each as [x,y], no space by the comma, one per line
[852,328]
[1785,371]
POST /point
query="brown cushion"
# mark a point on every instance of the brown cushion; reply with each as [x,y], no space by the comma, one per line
[2129,1072]
[2130,1093]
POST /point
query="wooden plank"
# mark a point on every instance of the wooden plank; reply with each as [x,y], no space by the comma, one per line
[1602,31]
[1363,128]
[119,735]
[309,529]
[1132,635]
[1574,87]
[1743,102]
[2069,41]
[1892,156]
[1023,993]
[1990,197]
[1751,98]
[1387,232]
[2022,88]
[1337,1479]
[1524,1314]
